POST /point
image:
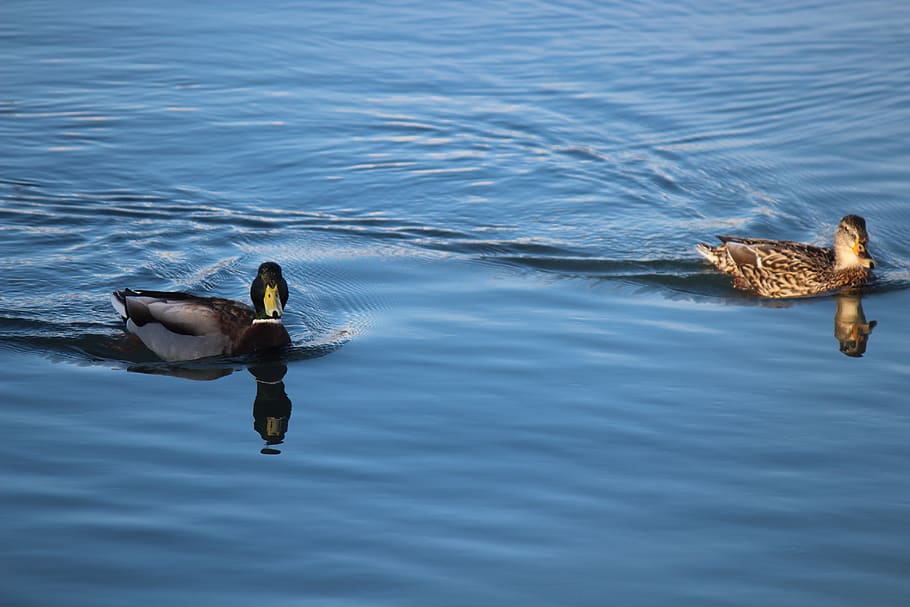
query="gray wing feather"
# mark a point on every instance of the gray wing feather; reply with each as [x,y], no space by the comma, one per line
[184,317]
[179,326]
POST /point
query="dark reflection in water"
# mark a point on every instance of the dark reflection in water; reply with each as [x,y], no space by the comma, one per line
[850,326]
[193,373]
[271,407]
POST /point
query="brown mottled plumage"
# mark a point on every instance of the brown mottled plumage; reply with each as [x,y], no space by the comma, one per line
[783,268]
[180,326]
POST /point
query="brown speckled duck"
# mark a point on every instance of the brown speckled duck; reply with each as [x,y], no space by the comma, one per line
[180,326]
[782,268]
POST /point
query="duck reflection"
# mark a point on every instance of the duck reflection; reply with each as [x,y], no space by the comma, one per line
[850,326]
[271,407]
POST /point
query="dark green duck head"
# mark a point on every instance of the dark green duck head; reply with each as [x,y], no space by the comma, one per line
[269,292]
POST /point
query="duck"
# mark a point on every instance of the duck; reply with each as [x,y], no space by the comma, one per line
[181,326]
[783,268]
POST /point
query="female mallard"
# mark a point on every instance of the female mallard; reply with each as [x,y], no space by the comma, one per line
[180,326]
[781,268]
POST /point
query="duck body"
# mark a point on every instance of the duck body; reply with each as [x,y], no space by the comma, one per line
[181,326]
[783,268]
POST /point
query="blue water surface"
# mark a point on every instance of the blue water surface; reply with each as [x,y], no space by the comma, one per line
[512,380]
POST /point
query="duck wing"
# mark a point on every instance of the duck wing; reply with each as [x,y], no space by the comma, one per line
[772,256]
[779,268]
[180,326]
[180,313]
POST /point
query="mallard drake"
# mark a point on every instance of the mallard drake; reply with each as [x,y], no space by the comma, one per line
[782,268]
[181,326]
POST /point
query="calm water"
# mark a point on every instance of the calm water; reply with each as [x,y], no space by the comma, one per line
[513,381]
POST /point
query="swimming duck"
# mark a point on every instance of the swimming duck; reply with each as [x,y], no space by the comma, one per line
[782,268]
[181,326]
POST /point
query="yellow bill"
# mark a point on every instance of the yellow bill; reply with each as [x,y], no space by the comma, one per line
[272,302]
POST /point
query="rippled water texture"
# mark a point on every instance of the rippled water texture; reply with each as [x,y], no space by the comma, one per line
[512,379]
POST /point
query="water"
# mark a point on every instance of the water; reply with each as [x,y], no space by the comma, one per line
[512,381]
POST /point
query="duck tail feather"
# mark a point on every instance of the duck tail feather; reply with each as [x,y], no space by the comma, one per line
[118,301]
[707,251]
